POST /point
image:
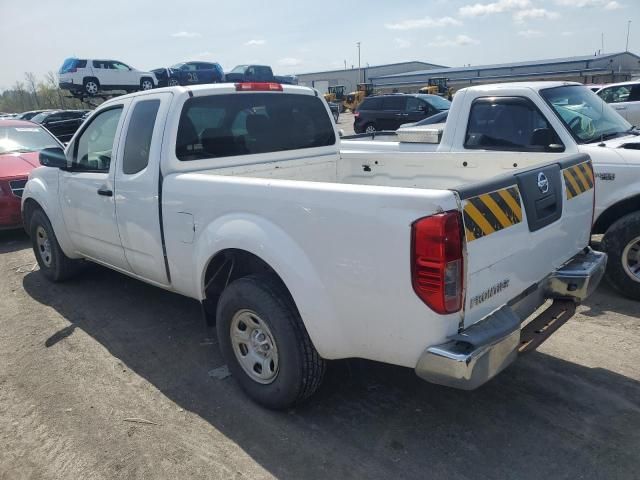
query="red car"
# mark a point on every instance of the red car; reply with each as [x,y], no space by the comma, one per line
[20,144]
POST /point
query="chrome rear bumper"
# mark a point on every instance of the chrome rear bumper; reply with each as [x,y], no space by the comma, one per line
[478,353]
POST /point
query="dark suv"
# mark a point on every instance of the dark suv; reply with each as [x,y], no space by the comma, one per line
[388,112]
[61,123]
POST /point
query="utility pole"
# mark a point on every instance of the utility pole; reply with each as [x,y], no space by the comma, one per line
[345,64]
[602,43]
[359,74]
[626,48]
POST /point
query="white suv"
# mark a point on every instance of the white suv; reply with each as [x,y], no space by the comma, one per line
[92,76]
[625,99]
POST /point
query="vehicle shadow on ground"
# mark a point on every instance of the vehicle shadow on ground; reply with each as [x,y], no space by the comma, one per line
[13,240]
[541,418]
[607,299]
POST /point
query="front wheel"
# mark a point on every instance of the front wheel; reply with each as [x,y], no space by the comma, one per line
[621,242]
[53,263]
[173,82]
[265,343]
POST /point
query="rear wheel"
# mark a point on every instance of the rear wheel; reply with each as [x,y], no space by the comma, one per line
[91,86]
[54,264]
[621,242]
[265,343]
[173,82]
[370,128]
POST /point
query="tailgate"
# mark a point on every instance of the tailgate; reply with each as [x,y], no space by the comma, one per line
[521,227]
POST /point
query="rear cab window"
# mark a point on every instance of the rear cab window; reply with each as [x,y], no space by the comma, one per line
[240,124]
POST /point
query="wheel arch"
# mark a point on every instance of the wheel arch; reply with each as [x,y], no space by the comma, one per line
[90,77]
[256,245]
[615,212]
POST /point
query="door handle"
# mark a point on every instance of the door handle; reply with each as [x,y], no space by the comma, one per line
[619,107]
[105,192]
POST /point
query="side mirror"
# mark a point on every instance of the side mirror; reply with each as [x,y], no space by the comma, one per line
[53,157]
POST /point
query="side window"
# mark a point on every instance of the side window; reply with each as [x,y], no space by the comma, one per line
[139,133]
[94,147]
[81,64]
[509,124]
[396,102]
[416,105]
[635,93]
[371,104]
[120,66]
[616,94]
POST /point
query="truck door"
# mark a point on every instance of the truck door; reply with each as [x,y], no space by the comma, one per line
[136,183]
[87,185]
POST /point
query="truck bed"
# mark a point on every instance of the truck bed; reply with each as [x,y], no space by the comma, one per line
[410,170]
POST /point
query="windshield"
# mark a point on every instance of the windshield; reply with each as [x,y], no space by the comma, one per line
[239,69]
[588,118]
[25,139]
[177,66]
[39,117]
[437,102]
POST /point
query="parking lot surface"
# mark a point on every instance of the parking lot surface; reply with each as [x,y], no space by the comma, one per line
[104,377]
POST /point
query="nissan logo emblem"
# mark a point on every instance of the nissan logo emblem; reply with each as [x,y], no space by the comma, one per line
[543,182]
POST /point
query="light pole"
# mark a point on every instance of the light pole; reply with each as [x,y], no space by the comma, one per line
[359,74]
[626,48]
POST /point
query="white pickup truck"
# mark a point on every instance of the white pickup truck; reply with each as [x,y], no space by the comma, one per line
[509,126]
[238,196]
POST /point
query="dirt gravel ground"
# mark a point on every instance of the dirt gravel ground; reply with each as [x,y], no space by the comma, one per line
[105,377]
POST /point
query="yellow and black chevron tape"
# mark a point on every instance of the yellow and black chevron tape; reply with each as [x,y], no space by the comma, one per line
[491,212]
[577,179]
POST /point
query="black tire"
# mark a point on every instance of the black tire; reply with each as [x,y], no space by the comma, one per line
[146,83]
[54,264]
[91,86]
[300,367]
[620,235]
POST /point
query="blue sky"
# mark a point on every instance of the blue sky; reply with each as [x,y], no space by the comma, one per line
[299,36]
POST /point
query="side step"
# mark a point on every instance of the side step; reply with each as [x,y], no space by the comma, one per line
[544,325]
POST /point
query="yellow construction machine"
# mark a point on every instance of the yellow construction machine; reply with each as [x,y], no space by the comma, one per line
[353,99]
[438,86]
[335,94]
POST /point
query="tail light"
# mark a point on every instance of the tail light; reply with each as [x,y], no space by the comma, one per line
[356,114]
[258,87]
[436,261]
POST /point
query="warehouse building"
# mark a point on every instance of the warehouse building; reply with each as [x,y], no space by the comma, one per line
[604,68]
[349,77]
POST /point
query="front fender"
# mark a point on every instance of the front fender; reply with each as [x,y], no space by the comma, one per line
[42,188]
[281,252]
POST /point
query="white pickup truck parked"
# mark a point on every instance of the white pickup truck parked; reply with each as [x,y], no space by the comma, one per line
[238,196]
[508,126]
